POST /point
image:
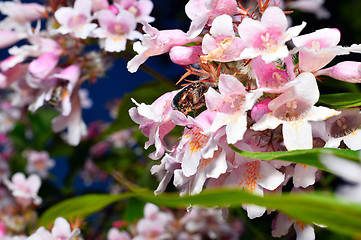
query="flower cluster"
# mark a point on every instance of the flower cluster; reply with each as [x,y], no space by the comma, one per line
[51,68]
[200,223]
[257,91]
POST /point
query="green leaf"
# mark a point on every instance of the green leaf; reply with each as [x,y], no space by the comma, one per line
[146,93]
[134,210]
[338,215]
[341,100]
[308,157]
[79,207]
[315,207]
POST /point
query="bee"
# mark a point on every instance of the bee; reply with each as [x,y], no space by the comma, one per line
[58,94]
[191,97]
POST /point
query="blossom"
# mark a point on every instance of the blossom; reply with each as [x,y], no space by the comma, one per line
[273,77]
[154,121]
[18,14]
[294,109]
[61,230]
[345,127]
[317,49]
[221,44]
[347,71]
[154,43]
[154,224]
[76,20]
[8,38]
[41,67]
[268,36]
[208,168]
[254,176]
[185,55]
[25,190]
[116,29]
[39,162]
[282,223]
[310,6]
[139,8]
[203,11]
[165,171]
[194,145]
[72,122]
[115,234]
[231,106]
[98,5]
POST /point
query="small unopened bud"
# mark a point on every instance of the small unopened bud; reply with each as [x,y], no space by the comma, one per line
[185,55]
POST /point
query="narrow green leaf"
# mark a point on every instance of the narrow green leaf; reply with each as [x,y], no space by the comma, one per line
[337,215]
[82,206]
[308,157]
[341,100]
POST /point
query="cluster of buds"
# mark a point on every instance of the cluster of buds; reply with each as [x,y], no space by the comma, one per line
[257,90]
[200,223]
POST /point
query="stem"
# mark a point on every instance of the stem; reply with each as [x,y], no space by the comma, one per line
[128,56]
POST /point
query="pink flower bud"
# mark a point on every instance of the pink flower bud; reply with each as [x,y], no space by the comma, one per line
[114,9]
[347,71]
[185,55]
[260,109]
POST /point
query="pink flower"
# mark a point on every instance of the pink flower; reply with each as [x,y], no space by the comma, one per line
[282,223]
[72,122]
[39,162]
[273,77]
[115,234]
[8,38]
[260,109]
[76,20]
[221,44]
[154,121]
[230,106]
[98,5]
[268,36]
[310,6]
[154,43]
[41,67]
[294,109]
[116,29]
[154,224]
[202,12]
[254,176]
[345,127]
[347,71]
[194,145]
[208,168]
[165,171]
[25,190]
[139,8]
[185,55]
[317,49]
[61,230]
[18,14]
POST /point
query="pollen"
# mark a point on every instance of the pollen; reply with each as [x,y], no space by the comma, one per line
[198,140]
[205,162]
[251,175]
[300,225]
[316,45]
